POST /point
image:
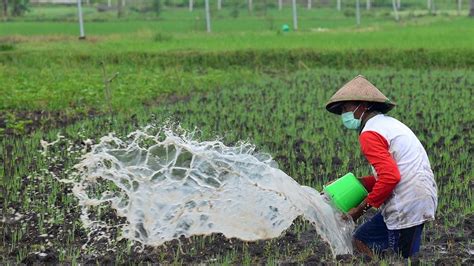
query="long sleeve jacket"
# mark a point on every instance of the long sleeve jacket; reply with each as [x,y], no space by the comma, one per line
[403,184]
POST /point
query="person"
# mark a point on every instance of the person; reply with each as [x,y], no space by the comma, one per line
[402,186]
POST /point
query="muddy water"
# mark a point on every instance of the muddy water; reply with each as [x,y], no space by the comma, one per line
[167,185]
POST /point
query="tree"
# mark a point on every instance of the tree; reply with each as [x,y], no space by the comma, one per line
[19,7]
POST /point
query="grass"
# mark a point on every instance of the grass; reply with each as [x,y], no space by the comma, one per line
[245,81]
[338,32]
[75,83]
[154,61]
[431,36]
[302,143]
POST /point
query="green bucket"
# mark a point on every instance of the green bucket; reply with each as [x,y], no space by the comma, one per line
[346,192]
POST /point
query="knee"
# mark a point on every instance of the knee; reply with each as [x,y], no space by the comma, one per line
[361,247]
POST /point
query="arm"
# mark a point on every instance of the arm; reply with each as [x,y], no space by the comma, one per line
[368,182]
[375,149]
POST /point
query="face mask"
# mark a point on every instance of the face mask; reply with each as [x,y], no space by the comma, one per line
[349,121]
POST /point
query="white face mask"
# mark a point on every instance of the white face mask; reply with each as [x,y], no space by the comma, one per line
[349,121]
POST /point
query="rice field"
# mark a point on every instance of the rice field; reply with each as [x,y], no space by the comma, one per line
[265,97]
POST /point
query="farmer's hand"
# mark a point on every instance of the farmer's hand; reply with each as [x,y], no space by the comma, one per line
[357,212]
[354,213]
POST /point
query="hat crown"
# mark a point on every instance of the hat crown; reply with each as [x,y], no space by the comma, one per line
[358,89]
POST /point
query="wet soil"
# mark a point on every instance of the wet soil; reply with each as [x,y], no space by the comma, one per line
[441,244]
[304,246]
[299,244]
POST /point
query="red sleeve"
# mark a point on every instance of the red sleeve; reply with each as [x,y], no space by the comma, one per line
[368,182]
[375,149]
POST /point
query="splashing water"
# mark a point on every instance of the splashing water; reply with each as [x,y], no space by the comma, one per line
[168,185]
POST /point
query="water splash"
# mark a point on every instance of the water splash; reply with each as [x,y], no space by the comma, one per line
[168,185]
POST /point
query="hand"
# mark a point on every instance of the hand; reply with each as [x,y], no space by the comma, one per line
[357,212]
[346,217]
[353,214]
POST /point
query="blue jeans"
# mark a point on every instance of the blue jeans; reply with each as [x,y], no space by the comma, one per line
[375,234]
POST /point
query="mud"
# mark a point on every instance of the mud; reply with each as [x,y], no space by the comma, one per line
[299,244]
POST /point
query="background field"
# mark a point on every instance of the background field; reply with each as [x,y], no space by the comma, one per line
[247,80]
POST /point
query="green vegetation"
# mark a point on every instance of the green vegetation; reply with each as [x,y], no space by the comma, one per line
[245,81]
[284,116]
[323,28]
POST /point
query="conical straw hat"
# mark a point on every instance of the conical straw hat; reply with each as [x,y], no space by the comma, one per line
[359,89]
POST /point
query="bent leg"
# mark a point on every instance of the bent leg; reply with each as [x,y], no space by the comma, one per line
[410,240]
[362,247]
[372,236]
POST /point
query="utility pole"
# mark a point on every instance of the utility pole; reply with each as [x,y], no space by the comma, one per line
[190,5]
[5,9]
[431,6]
[82,36]
[358,12]
[395,11]
[295,16]
[471,11]
[309,4]
[208,17]
[120,8]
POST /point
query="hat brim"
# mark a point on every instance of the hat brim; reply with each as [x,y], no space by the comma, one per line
[336,107]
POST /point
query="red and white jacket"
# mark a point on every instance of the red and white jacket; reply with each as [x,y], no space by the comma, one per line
[403,184]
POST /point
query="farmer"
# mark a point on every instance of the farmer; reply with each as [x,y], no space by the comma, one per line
[402,187]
